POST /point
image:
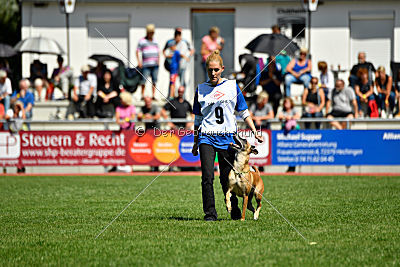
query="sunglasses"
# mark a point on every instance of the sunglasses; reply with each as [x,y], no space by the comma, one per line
[215,69]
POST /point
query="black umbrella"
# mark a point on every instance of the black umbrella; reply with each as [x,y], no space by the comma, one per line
[102,58]
[7,50]
[273,44]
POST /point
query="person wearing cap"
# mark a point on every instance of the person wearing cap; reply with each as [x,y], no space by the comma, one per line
[150,58]
[82,95]
[5,89]
[298,71]
[185,50]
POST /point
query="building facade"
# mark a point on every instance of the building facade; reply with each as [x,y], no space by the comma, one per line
[339,29]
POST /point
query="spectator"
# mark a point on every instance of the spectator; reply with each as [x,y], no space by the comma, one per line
[326,78]
[362,64]
[344,105]
[271,82]
[386,96]
[107,96]
[209,43]
[2,116]
[313,101]
[174,70]
[99,71]
[178,109]
[298,71]
[125,112]
[262,112]
[397,91]
[184,49]
[364,93]
[39,90]
[24,96]
[150,112]
[38,70]
[282,58]
[60,78]
[5,89]
[288,116]
[148,47]
[82,95]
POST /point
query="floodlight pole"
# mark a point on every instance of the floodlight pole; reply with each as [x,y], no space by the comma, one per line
[67,26]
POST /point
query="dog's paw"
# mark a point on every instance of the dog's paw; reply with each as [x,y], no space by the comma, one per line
[242,219]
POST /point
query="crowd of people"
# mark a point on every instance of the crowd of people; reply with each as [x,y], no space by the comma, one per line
[372,92]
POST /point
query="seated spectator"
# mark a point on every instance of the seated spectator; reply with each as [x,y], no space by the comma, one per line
[386,96]
[298,71]
[178,109]
[362,64]
[326,78]
[107,96]
[262,112]
[282,60]
[364,93]
[60,78]
[397,92]
[5,89]
[39,90]
[2,116]
[271,83]
[125,112]
[24,96]
[344,105]
[151,113]
[313,101]
[288,116]
[82,96]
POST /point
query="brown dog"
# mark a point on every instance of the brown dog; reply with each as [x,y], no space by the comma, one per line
[242,181]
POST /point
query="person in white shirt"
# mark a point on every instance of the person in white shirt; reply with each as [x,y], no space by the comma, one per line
[5,89]
[82,95]
[326,78]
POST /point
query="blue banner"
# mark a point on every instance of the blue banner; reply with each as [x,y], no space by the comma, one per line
[336,147]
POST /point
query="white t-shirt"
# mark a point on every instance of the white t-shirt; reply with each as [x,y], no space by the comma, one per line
[6,87]
[84,85]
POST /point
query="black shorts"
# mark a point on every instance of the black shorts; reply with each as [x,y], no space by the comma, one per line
[339,114]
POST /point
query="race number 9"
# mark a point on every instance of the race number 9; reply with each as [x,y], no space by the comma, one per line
[219,114]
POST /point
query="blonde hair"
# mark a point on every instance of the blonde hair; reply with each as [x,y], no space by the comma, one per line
[260,98]
[214,29]
[381,69]
[304,50]
[126,97]
[215,56]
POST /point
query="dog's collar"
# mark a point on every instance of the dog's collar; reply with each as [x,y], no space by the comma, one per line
[240,173]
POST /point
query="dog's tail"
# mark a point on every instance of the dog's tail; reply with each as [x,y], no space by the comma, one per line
[256,169]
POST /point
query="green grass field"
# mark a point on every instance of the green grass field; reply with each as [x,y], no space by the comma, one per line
[54,221]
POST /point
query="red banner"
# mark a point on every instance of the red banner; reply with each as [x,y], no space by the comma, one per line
[77,148]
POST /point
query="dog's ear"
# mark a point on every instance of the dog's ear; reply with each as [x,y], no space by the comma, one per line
[254,150]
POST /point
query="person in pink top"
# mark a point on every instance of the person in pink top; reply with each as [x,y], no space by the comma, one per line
[211,42]
[125,112]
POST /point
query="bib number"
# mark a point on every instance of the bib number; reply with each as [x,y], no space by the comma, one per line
[219,114]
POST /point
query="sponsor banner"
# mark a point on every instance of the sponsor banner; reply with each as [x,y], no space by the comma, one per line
[330,147]
[107,148]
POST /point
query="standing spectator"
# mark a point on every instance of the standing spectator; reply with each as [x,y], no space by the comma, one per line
[326,78]
[288,116]
[282,58]
[271,83]
[150,112]
[174,70]
[24,96]
[344,105]
[107,96]
[38,70]
[298,70]
[313,101]
[209,43]
[5,89]
[148,47]
[364,92]
[82,96]
[362,64]
[386,96]
[184,49]
[178,109]
[60,78]
[262,112]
